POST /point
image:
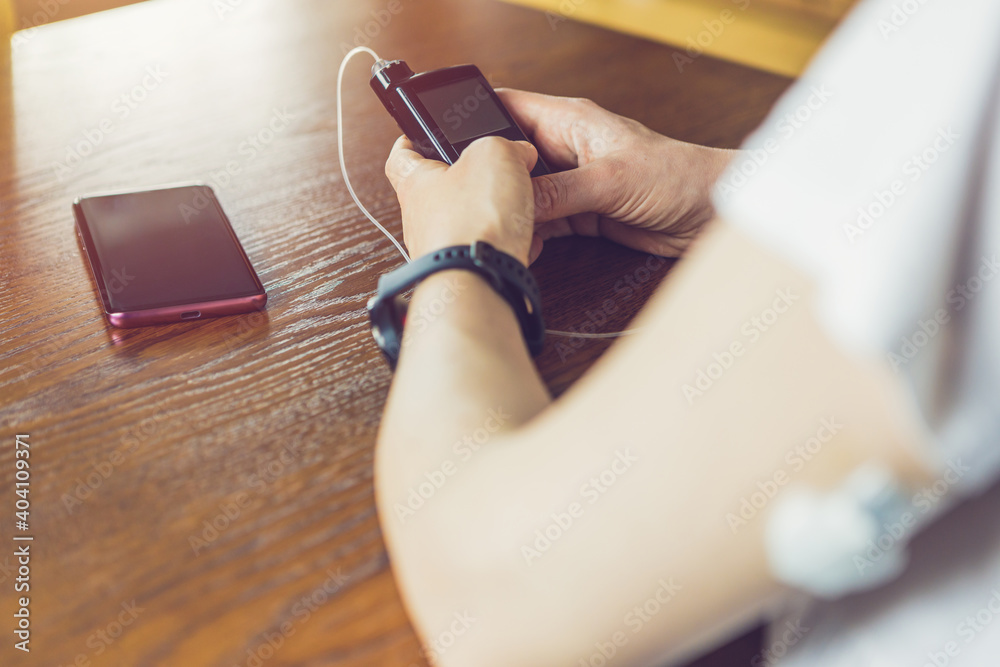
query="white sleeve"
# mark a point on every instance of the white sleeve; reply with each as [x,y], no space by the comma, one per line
[878,175]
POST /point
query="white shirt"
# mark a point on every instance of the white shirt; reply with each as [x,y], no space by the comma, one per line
[878,175]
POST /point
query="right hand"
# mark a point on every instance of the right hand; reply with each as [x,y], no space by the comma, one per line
[623,181]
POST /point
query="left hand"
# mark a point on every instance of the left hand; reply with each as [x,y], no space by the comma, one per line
[485,196]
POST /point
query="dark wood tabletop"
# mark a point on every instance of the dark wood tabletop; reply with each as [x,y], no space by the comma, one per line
[201,493]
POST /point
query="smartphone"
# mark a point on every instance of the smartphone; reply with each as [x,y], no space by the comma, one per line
[445,110]
[165,255]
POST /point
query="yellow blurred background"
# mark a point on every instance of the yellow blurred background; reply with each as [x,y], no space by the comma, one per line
[6,18]
[778,36]
[6,28]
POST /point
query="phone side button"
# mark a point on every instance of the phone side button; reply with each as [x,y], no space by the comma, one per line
[191,315]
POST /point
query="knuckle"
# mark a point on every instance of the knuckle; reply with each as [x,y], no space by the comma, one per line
[585,109]
[405,168]
[489,144]
[396,179]
[398,170]
[549,193]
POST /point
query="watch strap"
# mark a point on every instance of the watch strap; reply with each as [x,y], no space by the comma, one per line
[508,276]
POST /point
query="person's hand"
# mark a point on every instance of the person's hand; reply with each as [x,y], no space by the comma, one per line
[485,196]
[623,181]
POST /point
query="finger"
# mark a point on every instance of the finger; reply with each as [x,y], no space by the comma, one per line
[496,150]
[526,153]
[528,109]
[644,240]
[585,189]
[403,161]
[545,119]
[536,248]
[552,229]
[591,224]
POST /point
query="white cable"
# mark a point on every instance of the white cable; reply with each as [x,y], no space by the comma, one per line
[577,334]
[340,145]
[347,181]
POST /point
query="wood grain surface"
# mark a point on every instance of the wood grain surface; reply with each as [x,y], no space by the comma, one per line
[201,493]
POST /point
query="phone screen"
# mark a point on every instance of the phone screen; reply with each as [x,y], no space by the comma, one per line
[464,109]
[162,248]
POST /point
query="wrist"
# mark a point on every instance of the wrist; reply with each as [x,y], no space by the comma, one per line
[720,159]
[455,295]
[461,305]
[705,167]
[446,238]
[479,267]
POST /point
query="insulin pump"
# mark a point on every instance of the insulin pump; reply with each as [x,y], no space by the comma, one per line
[445,110]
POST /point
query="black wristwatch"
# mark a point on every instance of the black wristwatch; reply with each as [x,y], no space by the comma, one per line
[508,276]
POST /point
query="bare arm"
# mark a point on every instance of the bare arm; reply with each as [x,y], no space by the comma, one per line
[678,472]
[608,516]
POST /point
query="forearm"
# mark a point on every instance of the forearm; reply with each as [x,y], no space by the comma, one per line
[550,562]
[464,377]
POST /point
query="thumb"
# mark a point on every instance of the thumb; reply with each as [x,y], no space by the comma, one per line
[526,153]
[404,161]
[581,190]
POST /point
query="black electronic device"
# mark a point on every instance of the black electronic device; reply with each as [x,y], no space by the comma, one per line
[445,110]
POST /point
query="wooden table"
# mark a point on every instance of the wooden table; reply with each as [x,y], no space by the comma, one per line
[201,494]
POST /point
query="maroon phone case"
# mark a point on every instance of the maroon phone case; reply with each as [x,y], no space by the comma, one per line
[195,309]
